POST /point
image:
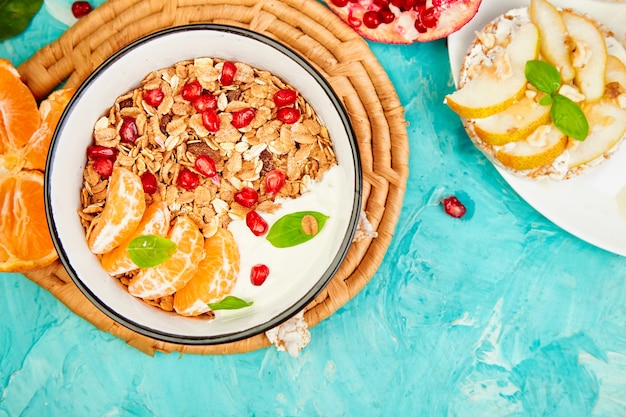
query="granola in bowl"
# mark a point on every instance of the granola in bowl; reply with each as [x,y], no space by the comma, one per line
[214,140]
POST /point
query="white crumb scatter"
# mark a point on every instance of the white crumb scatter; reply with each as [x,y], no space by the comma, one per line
[364,230]
[291,336]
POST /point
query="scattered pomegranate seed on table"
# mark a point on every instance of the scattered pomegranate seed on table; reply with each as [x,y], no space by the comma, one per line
[453,207]
[258,274]
[81,9]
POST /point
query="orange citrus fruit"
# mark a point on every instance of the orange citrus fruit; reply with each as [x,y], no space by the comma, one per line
[155,221]
[36,150]
[122,213]
[171,275]
[215,278]
[25,242]
[19,117]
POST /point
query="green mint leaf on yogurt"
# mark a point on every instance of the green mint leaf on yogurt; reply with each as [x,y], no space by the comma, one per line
[543,76]
[296,228]
[230,303]
[569,118]
[546,100]
[150,250]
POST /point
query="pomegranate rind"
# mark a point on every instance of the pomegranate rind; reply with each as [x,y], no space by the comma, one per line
[454,14]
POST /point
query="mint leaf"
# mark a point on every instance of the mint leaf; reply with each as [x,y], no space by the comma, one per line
[546,100]
[569,118]
[290,231]
[230,303]
[543,76]
[15,16]
[150,250]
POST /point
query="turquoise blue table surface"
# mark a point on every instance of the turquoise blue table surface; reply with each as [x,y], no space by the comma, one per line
[501,313]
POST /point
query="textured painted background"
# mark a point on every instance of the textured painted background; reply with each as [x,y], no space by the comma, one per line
[498,314]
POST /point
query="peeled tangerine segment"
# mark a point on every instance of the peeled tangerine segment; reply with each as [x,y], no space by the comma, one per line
[495,89]
[607,125]
[122,212]
[155,221]
[512,124]
[216,276]
[589,56]
[555,42]
[171,275]
[541,148]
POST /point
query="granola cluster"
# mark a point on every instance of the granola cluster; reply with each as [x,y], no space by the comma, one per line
[172,135]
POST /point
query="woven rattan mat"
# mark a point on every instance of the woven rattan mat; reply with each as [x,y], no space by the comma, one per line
[313,31]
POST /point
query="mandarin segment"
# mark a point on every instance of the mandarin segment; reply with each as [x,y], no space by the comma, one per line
[19,114]
[36,150]
[155,221]
[172,275]
[122,213]
[25,242]
[216,276]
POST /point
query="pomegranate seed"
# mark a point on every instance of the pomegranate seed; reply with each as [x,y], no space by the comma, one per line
[288,115]
[408,5]
[188,179]
[97,151]
[396,3]
[149,182]
[128,130]
[103,166]
[247,197]
[258,274]
[429,17]
[81,9]
[228,73]
[256,223]
[340,3]
[205,102]
[210,120]
[154,97]
[371,19]
[205,165]
[191,91]
[386,15]
[453,207]
[242,118]
[274,181]
[285,97]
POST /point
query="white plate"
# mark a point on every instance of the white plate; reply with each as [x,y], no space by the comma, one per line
[586,206]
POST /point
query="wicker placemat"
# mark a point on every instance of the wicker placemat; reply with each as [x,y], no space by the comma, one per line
[314,32]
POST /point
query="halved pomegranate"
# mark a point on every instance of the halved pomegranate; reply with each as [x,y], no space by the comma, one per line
[404,21]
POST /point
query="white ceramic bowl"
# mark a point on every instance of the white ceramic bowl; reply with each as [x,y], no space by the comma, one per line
[301,274]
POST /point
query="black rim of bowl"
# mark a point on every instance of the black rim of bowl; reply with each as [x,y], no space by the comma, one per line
[296,306]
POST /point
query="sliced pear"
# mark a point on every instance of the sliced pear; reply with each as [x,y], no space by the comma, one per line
[615,71]
[490,93]
[555,43]
[589,55]
[514,123]
[607,125]
[540,148]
